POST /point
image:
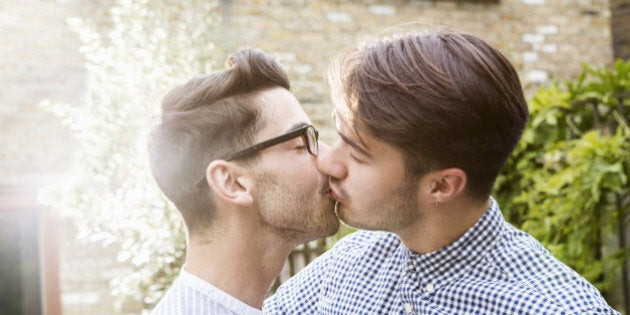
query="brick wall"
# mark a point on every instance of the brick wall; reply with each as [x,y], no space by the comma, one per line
[39,59]
[546,39]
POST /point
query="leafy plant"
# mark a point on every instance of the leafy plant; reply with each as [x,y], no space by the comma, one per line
[150,46]
[567,181]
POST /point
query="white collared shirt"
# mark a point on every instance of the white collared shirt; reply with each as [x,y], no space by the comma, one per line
[190,295]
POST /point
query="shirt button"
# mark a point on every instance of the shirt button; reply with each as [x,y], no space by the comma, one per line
[409,308]
[430,288]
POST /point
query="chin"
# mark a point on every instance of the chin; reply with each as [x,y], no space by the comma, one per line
[339,211]
[349,221]
[328,224]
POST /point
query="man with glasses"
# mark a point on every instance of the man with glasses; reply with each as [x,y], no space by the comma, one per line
[237,155]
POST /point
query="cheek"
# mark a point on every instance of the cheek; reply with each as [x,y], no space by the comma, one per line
[305,177]
[372,184]
[365,183]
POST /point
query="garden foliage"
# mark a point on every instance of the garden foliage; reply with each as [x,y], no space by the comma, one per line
[567,183]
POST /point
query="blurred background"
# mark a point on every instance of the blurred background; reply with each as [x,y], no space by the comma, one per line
[83,229]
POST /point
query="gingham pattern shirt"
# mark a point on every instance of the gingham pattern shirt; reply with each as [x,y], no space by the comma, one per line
[190,295]
[492,269]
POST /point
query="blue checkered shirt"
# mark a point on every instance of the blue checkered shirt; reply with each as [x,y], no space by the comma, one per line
[492,269]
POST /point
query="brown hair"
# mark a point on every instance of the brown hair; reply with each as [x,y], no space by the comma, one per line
[444,99]
[204,119]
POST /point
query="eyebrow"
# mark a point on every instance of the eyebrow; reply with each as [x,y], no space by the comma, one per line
[346,139]
[296,126]
[354,144]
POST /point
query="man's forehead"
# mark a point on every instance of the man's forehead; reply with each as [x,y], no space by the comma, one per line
[280,113]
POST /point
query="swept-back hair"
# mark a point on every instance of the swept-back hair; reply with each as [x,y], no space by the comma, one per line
[444,99]
[205,119]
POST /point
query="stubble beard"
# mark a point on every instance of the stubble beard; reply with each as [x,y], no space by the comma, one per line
[296,216]
[391,214]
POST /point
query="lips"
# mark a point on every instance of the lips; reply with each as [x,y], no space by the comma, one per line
[336,195]
[326,191]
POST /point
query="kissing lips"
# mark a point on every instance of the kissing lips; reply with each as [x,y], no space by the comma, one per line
[335,195]
[326,191]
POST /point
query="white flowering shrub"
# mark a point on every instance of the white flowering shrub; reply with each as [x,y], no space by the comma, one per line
[149,47]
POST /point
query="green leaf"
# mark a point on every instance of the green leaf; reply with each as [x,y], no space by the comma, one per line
[564,182]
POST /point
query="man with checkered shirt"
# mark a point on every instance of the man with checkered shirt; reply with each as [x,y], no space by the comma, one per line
[426,122]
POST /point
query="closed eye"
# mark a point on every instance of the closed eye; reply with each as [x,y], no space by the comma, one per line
[355,158]
[299,144]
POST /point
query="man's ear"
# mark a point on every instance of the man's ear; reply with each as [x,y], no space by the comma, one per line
[230,182]
[446,184]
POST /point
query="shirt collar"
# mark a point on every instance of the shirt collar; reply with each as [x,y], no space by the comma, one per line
[438,268]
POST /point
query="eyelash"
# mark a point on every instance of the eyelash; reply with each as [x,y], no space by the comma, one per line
[352,156]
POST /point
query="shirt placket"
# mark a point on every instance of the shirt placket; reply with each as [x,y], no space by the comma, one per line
[413,291]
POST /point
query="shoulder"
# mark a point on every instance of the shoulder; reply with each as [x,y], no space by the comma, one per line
[522,256]
[517,246]
[169,300]
[356,248]
[192,295]
[361,242]
[362,250]
[530,266]
[358,251]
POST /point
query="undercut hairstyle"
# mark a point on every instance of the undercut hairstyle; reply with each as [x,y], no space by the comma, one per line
[444,99]
[204,120]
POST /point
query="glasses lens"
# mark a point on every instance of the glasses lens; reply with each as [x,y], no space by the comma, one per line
[311,136]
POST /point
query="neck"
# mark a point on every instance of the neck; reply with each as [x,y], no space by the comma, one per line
[440,226]
[241,262]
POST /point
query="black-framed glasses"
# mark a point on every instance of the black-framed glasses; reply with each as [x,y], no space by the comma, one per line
[308,132]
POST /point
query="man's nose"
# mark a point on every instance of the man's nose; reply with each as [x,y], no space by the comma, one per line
[329,161]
